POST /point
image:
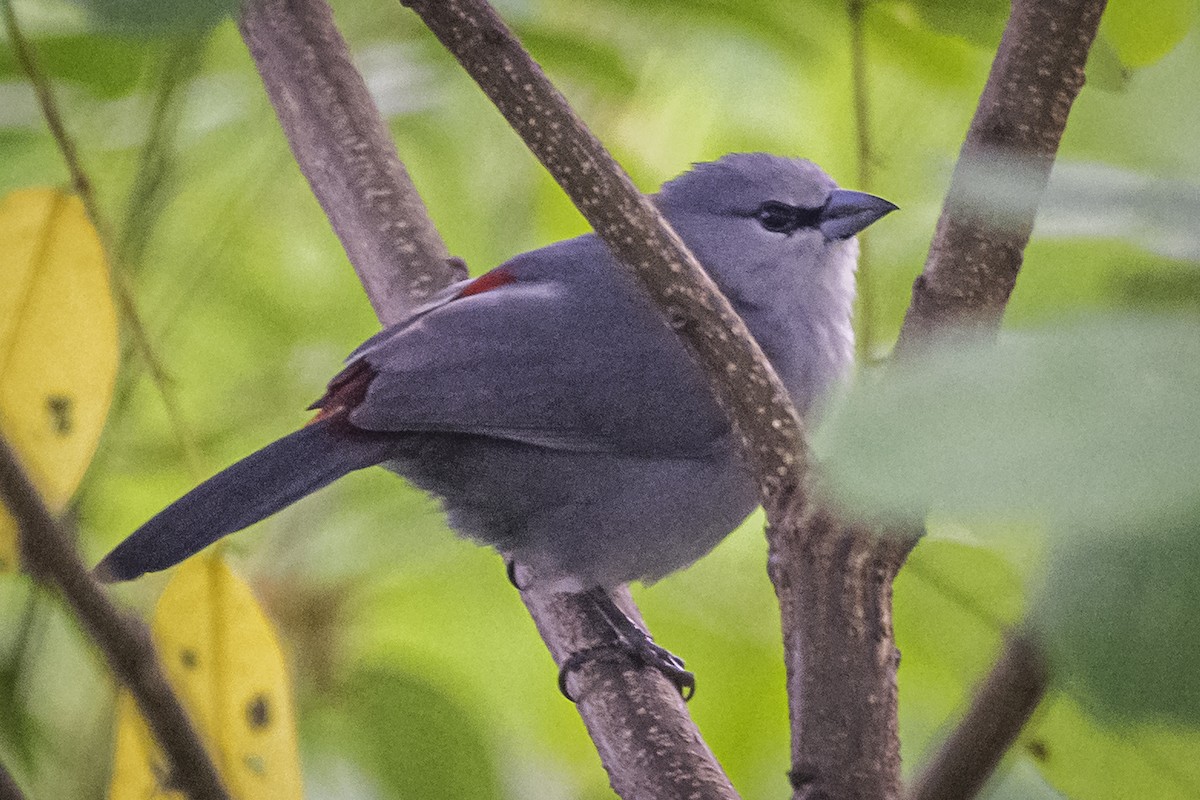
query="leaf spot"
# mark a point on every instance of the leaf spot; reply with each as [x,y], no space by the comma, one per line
[188,658]
[59,406]
[258,712]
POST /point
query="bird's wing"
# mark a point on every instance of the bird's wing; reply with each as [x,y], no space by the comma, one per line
[552,348]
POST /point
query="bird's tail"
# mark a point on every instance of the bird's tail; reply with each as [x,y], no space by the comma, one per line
[252,489]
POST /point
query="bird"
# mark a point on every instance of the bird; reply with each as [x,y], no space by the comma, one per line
[555,414]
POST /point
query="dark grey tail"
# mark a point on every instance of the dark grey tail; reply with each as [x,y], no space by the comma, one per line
[252,489]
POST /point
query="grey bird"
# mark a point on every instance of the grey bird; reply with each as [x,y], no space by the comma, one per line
[554,413]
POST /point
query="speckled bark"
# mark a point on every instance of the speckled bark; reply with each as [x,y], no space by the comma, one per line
[834,584]
[344,149]
[741,377]
[643,733]
[1036,76]
[640,725]
[969,275]
[834,581]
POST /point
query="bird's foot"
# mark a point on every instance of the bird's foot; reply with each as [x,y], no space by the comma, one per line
[510,569]
[631,644]
[643,654]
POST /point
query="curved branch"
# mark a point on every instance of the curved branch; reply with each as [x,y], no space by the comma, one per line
[47,554]
[645,738]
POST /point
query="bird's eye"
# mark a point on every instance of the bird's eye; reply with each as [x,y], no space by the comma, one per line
[782,218]
[776,217]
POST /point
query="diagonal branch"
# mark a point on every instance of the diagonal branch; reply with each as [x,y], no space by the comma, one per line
[125,643]
[978,247]
[645,738]
[1002,706]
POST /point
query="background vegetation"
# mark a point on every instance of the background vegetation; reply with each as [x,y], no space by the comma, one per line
[417,671]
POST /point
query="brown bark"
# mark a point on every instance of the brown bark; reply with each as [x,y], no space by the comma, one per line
[8,786]
[969,275]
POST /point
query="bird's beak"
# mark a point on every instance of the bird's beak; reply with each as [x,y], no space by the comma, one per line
[846,213]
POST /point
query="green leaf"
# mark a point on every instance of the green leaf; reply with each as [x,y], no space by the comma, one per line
[107,66]
[1085,758]
[1143,32]
[1121,619]
[1092,426]
[1104,67]
[159,17]
[409,736]
[980,23]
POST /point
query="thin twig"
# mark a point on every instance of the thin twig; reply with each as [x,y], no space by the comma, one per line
[83,188]
[1004,703]
[646,740]
[865,316]
[125,642]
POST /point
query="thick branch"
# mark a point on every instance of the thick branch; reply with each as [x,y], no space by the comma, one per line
[344,149]
[1004,703]
[834,584]
[47,553]
[646,740]
[739,373]
[977,251]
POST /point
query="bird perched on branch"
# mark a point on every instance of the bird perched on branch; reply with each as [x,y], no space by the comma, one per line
[551,409]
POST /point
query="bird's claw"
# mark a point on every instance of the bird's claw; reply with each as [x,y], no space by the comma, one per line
[643,653]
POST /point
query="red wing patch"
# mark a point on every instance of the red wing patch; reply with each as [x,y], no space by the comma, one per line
[345,392]
[488,281]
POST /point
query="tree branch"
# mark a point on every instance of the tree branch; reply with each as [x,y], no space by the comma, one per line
[645,738]
[977,252]
[1002,706]
[125,643]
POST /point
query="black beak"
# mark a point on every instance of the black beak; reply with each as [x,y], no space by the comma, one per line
[846,213]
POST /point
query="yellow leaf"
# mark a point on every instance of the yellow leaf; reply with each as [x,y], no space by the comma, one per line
[221,656]
[139,768]
[58,343]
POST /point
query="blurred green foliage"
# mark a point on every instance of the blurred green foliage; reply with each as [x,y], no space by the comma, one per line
[414,658]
